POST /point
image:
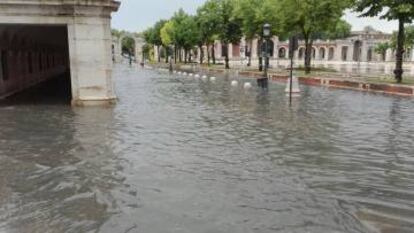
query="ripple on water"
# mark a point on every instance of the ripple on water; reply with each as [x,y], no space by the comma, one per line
[182,155]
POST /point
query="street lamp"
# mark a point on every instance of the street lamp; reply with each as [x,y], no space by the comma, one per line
[263,82]
[266,30]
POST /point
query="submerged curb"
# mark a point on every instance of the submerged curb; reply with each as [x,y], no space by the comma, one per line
[394,89]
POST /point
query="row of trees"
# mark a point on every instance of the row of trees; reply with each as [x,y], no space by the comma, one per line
[230,20]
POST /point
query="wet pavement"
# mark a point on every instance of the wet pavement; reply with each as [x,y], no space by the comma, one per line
[178,154]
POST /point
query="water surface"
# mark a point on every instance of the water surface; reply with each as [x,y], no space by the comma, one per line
[177,154]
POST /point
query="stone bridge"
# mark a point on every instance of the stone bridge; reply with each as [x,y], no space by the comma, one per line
[42,39]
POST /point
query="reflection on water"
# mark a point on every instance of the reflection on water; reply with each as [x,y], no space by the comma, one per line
[182,155]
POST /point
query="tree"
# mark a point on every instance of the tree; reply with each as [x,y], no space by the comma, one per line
[401,10]
[167,35]
[408,41]
[247,10]
[128,45]
[156,37]
[178,36]
[254,14]
[190,34]
[341,30]
[382,48]
[311,17]
[229,27]
[208,21]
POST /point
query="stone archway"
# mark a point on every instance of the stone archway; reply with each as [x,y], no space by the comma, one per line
[117,45]
[357,50]
[68,37]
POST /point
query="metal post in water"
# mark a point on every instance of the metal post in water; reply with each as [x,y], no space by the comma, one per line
[293,46]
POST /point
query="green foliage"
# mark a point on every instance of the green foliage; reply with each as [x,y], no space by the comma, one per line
[255,13]
[311,18]
[382,48]
[153,35]
[116,33]
[229,27]
[128,45]
[341,30]
[408,40]
[208,21]
[387,9]
[167,33]
[401,10]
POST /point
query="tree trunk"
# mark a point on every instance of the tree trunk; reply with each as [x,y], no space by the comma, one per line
[308,54]
[175,54]
[201,54]
[249,62]
[185,56]
[213,51]
[226,57]
[208,55]
[158,52]
[166,54]
[400,52]
[180,55]
[190,56]
[260,54]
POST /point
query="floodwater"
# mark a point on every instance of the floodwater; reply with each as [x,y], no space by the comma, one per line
[181,155]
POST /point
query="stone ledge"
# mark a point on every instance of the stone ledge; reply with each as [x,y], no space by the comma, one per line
[94,101]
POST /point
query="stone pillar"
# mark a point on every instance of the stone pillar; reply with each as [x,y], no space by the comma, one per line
[364,52]
[412,54]
[350,54]
[230,50]
[155,53]
[254,48]
[318,55]
[218,49]
[138,49]
[276,47]
[90,61]
[389,56]
[338,52]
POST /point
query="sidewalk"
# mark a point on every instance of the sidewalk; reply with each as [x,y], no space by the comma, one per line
[327,79]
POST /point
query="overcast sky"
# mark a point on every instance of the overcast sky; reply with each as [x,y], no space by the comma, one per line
[137,15]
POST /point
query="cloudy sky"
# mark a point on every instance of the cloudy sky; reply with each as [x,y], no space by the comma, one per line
[137,15]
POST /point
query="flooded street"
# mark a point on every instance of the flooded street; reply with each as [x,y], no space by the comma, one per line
[182,155]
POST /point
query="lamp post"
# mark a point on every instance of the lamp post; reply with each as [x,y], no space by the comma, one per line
[263,82]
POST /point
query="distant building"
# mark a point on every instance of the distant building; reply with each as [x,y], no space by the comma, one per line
[359,47]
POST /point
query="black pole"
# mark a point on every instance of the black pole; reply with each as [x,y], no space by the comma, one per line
[291,80]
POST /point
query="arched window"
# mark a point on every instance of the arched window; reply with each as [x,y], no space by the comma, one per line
[322,54]
[357,50]
[282,52]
